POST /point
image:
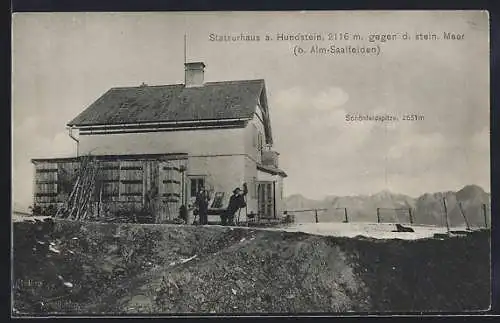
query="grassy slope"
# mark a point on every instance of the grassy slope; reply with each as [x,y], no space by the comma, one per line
[137,268]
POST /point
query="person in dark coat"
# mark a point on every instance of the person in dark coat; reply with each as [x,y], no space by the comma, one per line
[236,202]
[202,200]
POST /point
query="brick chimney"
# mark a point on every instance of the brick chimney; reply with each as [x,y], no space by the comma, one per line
[194,74]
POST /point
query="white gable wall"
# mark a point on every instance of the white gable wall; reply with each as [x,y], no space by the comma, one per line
[193,142]
[226,157]
[218,155]
[252,157]
[254,127]
[221,173]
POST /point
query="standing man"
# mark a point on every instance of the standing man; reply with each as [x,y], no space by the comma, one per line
[236,202]
[202,200]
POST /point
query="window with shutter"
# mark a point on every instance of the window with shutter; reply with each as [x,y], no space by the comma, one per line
[255,139]
[260,143]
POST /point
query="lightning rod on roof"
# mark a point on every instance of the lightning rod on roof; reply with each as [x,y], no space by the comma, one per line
[185,49]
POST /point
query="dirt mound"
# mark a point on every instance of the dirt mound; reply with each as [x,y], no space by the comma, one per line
[85,268]
[262,272]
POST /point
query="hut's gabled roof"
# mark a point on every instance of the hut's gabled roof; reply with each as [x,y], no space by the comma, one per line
[212,101]
[164,103]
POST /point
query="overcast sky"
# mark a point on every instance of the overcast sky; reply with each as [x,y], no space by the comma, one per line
[62,62]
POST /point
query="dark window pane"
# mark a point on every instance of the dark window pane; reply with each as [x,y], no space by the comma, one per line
[193,187]
[196,185]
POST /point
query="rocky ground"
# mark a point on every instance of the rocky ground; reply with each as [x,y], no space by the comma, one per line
[84,268]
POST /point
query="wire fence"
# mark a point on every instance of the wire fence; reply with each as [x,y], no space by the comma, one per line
[446,215]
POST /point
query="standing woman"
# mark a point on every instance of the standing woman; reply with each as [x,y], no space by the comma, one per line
[202,200]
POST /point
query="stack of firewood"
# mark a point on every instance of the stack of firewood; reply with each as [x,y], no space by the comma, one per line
[77,207]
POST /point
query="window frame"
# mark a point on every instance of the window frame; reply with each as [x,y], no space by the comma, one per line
[196,178]
[260,142]
[255,134]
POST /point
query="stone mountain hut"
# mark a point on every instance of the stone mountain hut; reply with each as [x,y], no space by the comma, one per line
[157,145]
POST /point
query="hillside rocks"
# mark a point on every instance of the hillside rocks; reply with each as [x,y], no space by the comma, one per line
[131,268]
[426,209]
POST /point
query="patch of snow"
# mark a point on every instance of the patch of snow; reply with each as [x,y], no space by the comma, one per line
[53,249]
[188,259]
[373,230]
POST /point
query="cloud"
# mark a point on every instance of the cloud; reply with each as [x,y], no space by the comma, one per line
[447,82]
[411,143]
[28,144]
[331,98]
[299,98]
[323,148]
[481,140]
[301,108]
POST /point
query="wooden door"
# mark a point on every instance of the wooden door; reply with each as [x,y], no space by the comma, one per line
[170,189]
[266,199]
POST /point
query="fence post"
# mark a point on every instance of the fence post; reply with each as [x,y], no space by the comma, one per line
[463,214]
[485,216]
[316,215]
[411,215]
[378,215]
[446,215]
[345,213]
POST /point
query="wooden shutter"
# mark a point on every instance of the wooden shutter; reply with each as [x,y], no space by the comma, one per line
[171,181]
[170,188]
[46,183]
[131,181]
[110,177]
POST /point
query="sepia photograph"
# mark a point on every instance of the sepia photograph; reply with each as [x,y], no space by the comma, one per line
[250,163]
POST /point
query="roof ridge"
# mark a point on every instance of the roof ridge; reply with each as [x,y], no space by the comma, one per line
[182,84]
[144,86]
[215,100]
[236,81]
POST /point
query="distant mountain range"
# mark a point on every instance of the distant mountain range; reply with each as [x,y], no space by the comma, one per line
[425,209]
